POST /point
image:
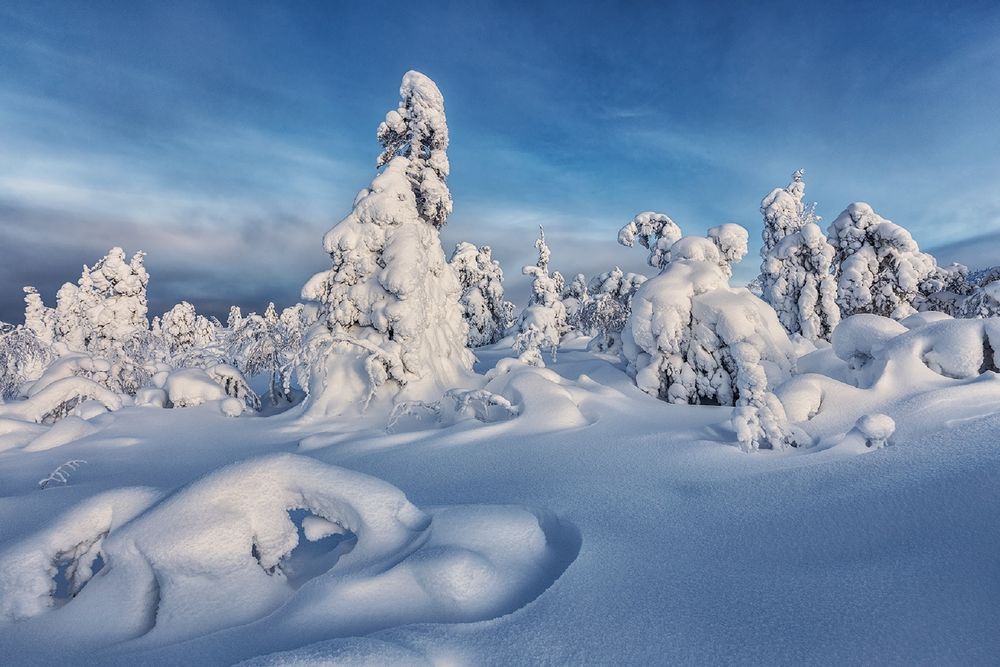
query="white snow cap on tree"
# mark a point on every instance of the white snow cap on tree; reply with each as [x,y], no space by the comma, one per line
[485,310]
[655,232]
[389,311]
[881,267]
[418,131]
[732,241]
[543,322]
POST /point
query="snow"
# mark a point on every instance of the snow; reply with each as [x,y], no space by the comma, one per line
[640,510]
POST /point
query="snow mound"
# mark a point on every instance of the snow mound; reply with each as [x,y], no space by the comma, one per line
[219,553]
[876,429]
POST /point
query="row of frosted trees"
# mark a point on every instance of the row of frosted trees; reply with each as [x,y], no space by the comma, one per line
[393,319]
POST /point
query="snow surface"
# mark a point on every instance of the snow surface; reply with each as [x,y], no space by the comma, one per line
[598,526]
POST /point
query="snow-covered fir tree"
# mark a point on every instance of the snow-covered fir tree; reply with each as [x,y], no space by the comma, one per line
[543,322]
[575,296]
[605,314]
[177,329]
[38,318]
[235,318]
[114,300]
[72,328]
[797,264]
[486,311]
[946,290]
[879,264]
[23,357]
[390,317]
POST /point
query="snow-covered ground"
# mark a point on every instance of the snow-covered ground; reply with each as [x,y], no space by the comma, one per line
[599,526]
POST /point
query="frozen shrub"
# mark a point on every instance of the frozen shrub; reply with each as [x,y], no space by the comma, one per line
[605,314]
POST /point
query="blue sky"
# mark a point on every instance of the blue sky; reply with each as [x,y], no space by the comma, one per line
[225,138]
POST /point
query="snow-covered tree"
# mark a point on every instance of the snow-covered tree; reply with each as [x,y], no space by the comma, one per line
[691,338]
[38,318]
[655,231]
[235,318]
[543,322]
[880,266]
[260,349]
[984,301]
[803,290]
[605,314]
[575,296]
[418,131]
[71,325]
[486,311]
[177,328]
[797,263]
[114,301]
[388,308]
[23,357]
[946,289]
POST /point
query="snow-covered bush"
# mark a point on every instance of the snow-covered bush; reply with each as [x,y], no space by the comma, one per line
[859,338]
[605,313]
[389,311]
[191,387]
[880,266]
[486,311]
[543,322]
[655,231]
[267,345]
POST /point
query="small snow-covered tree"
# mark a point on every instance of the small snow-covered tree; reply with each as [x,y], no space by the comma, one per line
[605,314]
[655,231]
[38,318]
[803,290]
[543,322]
[389,311]
[260,349]
[880,266]
[418,131]
[575,297]
[115,301]
[797,263]
[235,318]
[984,301]
[177,329]
[946,289]
[691,338]
[486,311]
[23,357]
[71,325]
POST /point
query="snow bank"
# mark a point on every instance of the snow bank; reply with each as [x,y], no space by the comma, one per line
[219,553]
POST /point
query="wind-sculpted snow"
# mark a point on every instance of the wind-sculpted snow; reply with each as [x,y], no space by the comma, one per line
[223,552]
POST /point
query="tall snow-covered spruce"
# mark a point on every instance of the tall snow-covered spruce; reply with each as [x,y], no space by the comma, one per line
[390,322]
